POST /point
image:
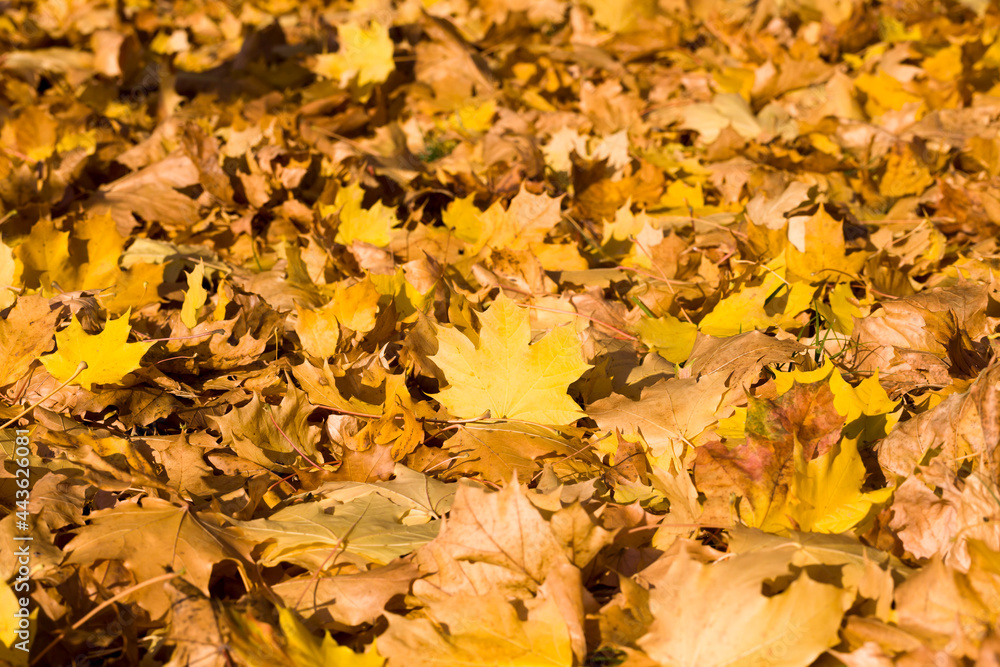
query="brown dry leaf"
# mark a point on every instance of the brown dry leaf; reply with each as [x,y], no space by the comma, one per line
[941,522]
[700,205]
[151,193]
[321,534]
[241,340]
[671,414]
[962,427]
[728,621]
[347,600]
[194,628]
[203,151]
[272,436]
[490,542]
[25,334]
[153,538]
[913,341]
[938,606]
[186,469]
[137,405]
[499,452]
[800,424]
[479,630]
[741,357]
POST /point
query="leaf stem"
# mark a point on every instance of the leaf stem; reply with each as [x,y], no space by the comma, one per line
[624,334]
[289,440]
[96,610]
[79,369]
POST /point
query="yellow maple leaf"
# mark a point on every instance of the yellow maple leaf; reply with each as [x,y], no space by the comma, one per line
[353,306]
[356,306]
[195,296]
[775,302]
[621,16]
[904,175]
[49,256]
[842,310]
[822,253]
[684,196]
[365,52]
[625,225]
[521,226]
[504,374]
[462,217]
[668,336]
[406,298]
[479,630]
[371,225]
[474,118]
[304,649]
[45,250]
[318,330]
[135,288]
[104,247]
[826,492]
[109,357]
[886,93]
[8,271]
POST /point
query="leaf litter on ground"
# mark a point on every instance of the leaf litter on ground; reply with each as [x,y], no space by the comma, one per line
[554,333]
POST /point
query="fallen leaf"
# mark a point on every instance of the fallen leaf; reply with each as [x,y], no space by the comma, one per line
[671,413]
[153,538]
[24,334]
[504,375]
[478,630]
[108,356]
[728,621]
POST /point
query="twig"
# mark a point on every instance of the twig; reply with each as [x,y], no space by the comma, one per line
[79,369]
[96,610]
[338,547]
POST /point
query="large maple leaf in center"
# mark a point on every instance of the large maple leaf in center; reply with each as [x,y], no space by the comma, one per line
[505,374]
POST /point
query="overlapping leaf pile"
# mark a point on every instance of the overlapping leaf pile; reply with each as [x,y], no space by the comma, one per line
[436,332]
